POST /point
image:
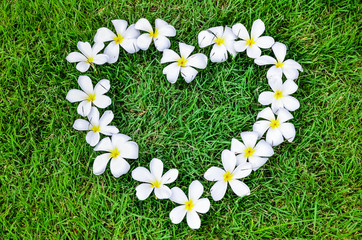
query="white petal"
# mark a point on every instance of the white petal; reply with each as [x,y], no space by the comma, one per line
[193,220]
[266,98]
[205,38]
[170,176]
[265,42]
[198,60]
[84,108]
[274,137]
[290,103]
[242,171]
[112,51]
[277,104]
[144,41]
[289,87]
[257,29]
[120,138]
[102,87]
[97,47]
[292,64]
[177,214]
[218,53]
[129,150]
[195,190]
[109,130]
[218,190]
[85,48]
[100,59]
[275,83]
[104,145]
[82,66]
[144,25]
[130,45]
[185,50]
[284,115]
[106,118]
[93,116]
[237,146]
[85,84]
[240,46]
[163,192]
[119,166]
[228,160]
[264,60]
[263,149]
[102,101]
[131,32]
[188,73]
[156,167]
[75,95]
[104,35]
[164,28]
[81,125]
[239,188]
[280,50]
[202,205]
[172,71]
[217,31]
[143,191]
[290,73]
[240,31]
[120,25]
[249,138]
[253,51]
[240,159]
[274,72]
[92,138]
[266,113]
[260,127]
[169,56]
[162,43]
[100,163]
[214,174]
[230,48]
[76,57]
[142,174]
[257,162]
[288,131]
[178,196]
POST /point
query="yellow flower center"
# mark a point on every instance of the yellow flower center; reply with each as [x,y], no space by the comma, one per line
[228,176]
[154,34]
[220,41]
[181,62]
[95,128]
[115,152]
[118,39]
[279,64]
[90,59]
[250,42]
[274,124]
[249,152]
[278,94]
[91,97]
[189,205]
[156,184]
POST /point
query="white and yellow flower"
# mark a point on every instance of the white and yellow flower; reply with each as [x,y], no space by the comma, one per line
[90,95]
[124,37]
[119,148]
[159,35]
[153,180]
[190,205]
[222,40]
[289,68]
[184,63]
[96,125]
[280,97]
[249,151]
[88,56]
[276,128]
[229,175]
[253,42]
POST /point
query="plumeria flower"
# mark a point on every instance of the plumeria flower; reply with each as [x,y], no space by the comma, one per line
[253,42]
[223,40]
[124,37]
[280,98]
[288,67]
[119,148]
[90,95]
[190,205]
[96,125]
[183,63]
[249,151]
[229,175]
[88,56]
[159,35]
[276,127]
[154,180]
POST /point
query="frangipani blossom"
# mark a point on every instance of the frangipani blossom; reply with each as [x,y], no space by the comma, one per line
[88,56]
[222,40]
[183,63]
[119,148]
[154,180]
[253,42]
[159,35]
[190,205]
[280,98]
[124,37]
[229,175]
[276,127]
[288,67]
[256,155]
[96,125]
[90,95]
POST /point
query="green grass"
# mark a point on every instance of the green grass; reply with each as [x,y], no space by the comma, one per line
[310,188]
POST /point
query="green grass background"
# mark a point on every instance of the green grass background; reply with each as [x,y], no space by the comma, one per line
[310,188]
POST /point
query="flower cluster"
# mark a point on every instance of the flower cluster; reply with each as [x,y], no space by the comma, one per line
[244,156]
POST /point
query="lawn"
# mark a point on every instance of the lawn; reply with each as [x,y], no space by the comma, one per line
[310,188]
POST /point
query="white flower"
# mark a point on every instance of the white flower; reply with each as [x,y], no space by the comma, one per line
[277,127]
[119,148]
[154,180]
[256,155]
[288,67]
[96,125]
[183,63]
[88,57]
[223,40]
[229,175]
[124,37]
[89,95]
[159,35]
[190,206]
[280,98]
[252,43]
